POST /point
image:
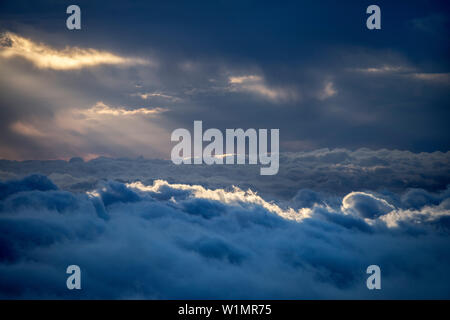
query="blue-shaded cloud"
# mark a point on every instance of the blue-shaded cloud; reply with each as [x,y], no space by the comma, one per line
[176,241]
[33,182]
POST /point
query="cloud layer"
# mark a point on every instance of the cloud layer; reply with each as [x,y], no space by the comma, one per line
[179,241]
[337,171]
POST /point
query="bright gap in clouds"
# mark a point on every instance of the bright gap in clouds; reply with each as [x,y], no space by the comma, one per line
[46,57]
[101,108]
[92,131]
[256,85]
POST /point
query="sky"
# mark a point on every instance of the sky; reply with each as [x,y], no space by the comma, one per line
[86,178]
[138,70]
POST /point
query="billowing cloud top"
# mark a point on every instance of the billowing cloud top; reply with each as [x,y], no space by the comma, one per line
[172,241]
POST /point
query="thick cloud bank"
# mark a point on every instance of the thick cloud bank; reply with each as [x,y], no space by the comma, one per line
[337,171]
[164,241]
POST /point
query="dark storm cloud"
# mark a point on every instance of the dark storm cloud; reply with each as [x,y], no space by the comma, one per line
[312,70]
[184,241]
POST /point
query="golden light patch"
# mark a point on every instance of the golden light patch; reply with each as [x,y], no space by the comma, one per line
[69,58]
